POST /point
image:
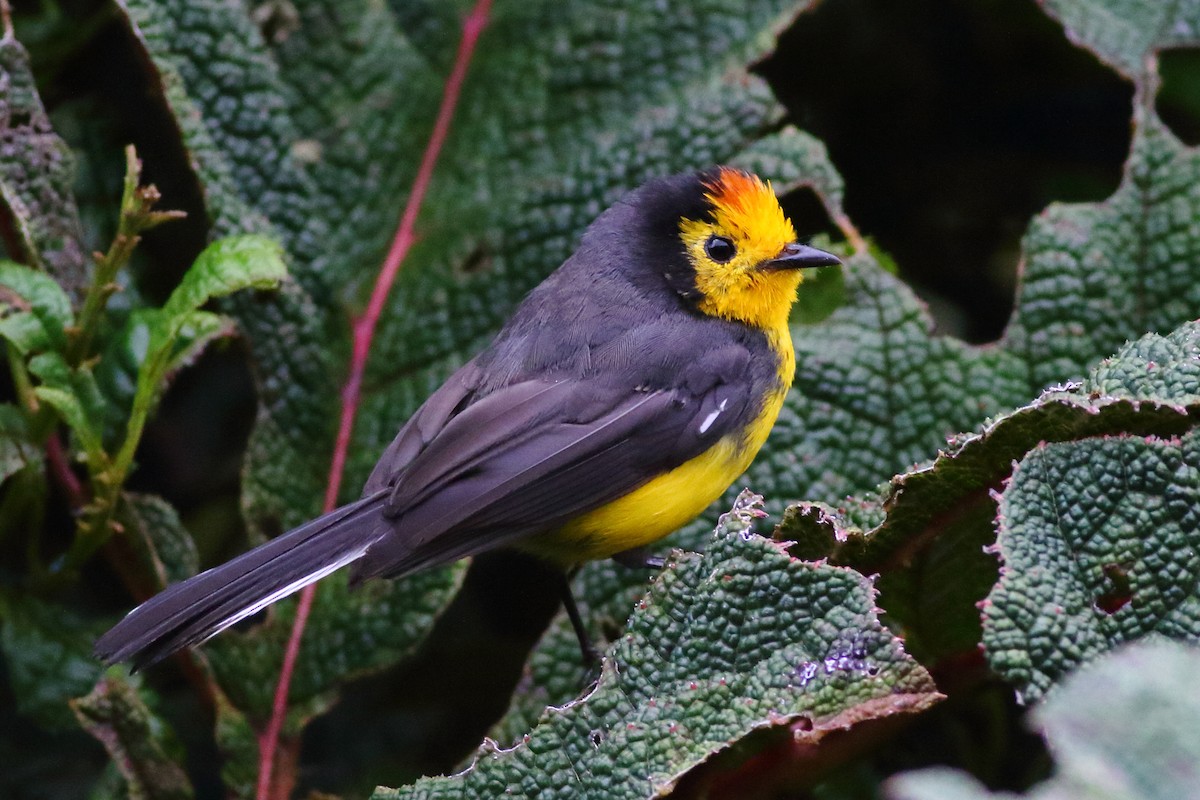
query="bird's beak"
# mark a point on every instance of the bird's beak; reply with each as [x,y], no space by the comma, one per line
[800,256]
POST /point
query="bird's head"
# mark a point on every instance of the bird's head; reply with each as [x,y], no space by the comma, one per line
[740,258]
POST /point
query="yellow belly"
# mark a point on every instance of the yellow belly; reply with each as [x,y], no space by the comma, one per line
[663,504]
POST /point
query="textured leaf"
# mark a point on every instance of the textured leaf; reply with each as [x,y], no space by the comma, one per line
[1100,544]
[138,743]
[47,656]
[1150,387]
[1094,276]
[1124,32]
[238,743]
[35,175]
[700,666]
[875,393]
[1124,727]
[162,546]
[34,311]
[1099,275]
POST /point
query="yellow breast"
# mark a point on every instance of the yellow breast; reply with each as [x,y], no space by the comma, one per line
[673,499]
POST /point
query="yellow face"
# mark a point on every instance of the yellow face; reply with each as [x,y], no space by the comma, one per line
[747,229]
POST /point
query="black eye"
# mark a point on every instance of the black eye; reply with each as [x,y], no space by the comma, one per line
[719,249]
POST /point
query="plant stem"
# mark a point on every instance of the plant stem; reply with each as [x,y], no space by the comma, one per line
[108,265]
[136,217]
[107,479]
[364,333]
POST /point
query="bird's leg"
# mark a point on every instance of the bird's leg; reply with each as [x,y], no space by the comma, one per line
[590,654]
[638,558]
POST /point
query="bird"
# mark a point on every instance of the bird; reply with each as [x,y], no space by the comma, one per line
[624,395]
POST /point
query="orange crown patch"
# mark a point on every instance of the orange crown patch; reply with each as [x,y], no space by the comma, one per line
[746,207]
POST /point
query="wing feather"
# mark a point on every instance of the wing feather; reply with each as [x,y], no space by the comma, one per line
[531,456]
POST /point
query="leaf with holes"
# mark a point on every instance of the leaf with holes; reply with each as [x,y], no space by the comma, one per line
[1123,34]
[1098,544]
[1151,387]
[700,667]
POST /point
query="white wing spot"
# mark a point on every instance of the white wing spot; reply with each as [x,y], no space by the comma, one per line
[712,417]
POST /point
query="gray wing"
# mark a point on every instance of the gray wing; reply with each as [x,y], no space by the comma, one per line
[529,457]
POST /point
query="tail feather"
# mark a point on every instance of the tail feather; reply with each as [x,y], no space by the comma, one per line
[206,604]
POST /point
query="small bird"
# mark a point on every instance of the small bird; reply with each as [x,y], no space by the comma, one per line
[624,395]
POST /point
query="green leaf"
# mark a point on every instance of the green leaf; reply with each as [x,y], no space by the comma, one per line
[162,546]
[47,656]
[36,173]
[34,311]
[195,331]
[75,396]
[226,266]
[1099,275]
[238,743]
[1099,544]
[1123,33]
[927,531]
[701,666]
[876,393]
[1123,727]
[1151,386]
[140,744]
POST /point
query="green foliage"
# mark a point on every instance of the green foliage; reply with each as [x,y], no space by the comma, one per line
[48,654]
[141,748]
[297,129]
[1152,387]
[1124,726]
[699,666]
[1100,545]
[40,201]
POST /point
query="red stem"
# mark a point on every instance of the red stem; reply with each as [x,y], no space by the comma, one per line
[364,333]
[60,468]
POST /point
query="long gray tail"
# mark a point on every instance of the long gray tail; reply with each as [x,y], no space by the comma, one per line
[206,604]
